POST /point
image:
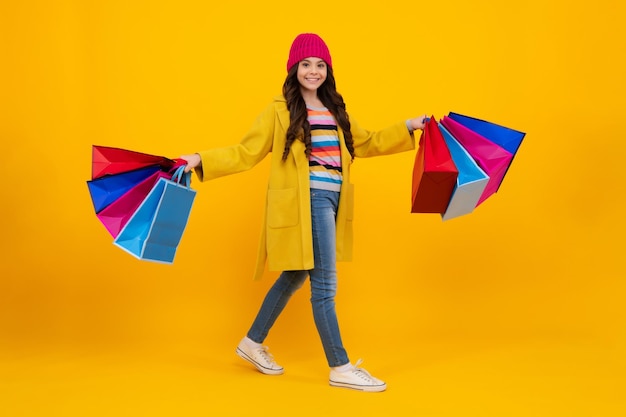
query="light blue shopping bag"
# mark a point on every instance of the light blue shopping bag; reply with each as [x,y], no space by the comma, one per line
[155,229]
[507,138]
[471,182]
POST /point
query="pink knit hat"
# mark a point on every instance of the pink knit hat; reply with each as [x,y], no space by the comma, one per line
[308,45]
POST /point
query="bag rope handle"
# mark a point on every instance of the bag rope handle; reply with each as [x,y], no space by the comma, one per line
[179,174]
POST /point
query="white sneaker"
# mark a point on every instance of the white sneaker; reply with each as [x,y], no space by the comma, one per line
[356,378]
[259,357]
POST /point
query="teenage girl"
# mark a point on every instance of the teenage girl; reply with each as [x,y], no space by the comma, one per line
[308,213]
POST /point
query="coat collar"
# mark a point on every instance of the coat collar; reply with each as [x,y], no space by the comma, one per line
[283,112]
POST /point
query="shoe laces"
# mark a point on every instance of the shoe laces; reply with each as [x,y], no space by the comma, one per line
[361,373]
[264,351]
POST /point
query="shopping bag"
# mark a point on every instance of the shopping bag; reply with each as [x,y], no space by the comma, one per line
[115,216]
[434,172]
[154,231]
[470,183]
[506,137]
[492,158]
[106,160]
[105,190]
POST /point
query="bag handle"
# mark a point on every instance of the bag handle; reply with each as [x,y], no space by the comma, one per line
[426,125]
[179,174]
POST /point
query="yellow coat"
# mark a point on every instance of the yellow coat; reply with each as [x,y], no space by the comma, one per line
[286,239]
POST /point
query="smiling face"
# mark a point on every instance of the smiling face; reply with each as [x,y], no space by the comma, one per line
[312,73]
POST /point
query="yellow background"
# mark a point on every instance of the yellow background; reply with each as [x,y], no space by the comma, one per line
[514,310]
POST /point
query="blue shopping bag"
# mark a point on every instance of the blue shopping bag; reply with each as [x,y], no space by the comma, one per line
[470,183]
[105,190]
[154,231]
[505,137]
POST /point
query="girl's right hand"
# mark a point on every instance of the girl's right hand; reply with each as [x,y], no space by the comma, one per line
[193,161]
[419,122]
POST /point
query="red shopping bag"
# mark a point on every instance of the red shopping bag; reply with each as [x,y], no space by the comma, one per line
[107,161]
[434,172]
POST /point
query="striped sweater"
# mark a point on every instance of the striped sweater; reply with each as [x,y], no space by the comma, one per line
[325,159]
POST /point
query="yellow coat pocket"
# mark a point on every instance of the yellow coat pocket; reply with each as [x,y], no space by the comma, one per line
[282,208]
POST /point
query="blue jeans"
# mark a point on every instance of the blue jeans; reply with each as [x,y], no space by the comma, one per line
[323,283]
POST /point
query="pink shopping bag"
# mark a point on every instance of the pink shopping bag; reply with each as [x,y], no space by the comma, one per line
[117,214]
[492,158]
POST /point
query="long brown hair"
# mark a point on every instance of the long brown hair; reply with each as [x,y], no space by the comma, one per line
[299,127]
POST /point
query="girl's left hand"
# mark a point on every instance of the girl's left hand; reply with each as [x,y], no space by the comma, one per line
[419,122]
[193,161]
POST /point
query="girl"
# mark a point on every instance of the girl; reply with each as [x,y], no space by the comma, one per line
[308,213]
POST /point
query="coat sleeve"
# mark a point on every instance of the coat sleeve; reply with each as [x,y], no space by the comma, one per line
[251,150]
[394,139]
